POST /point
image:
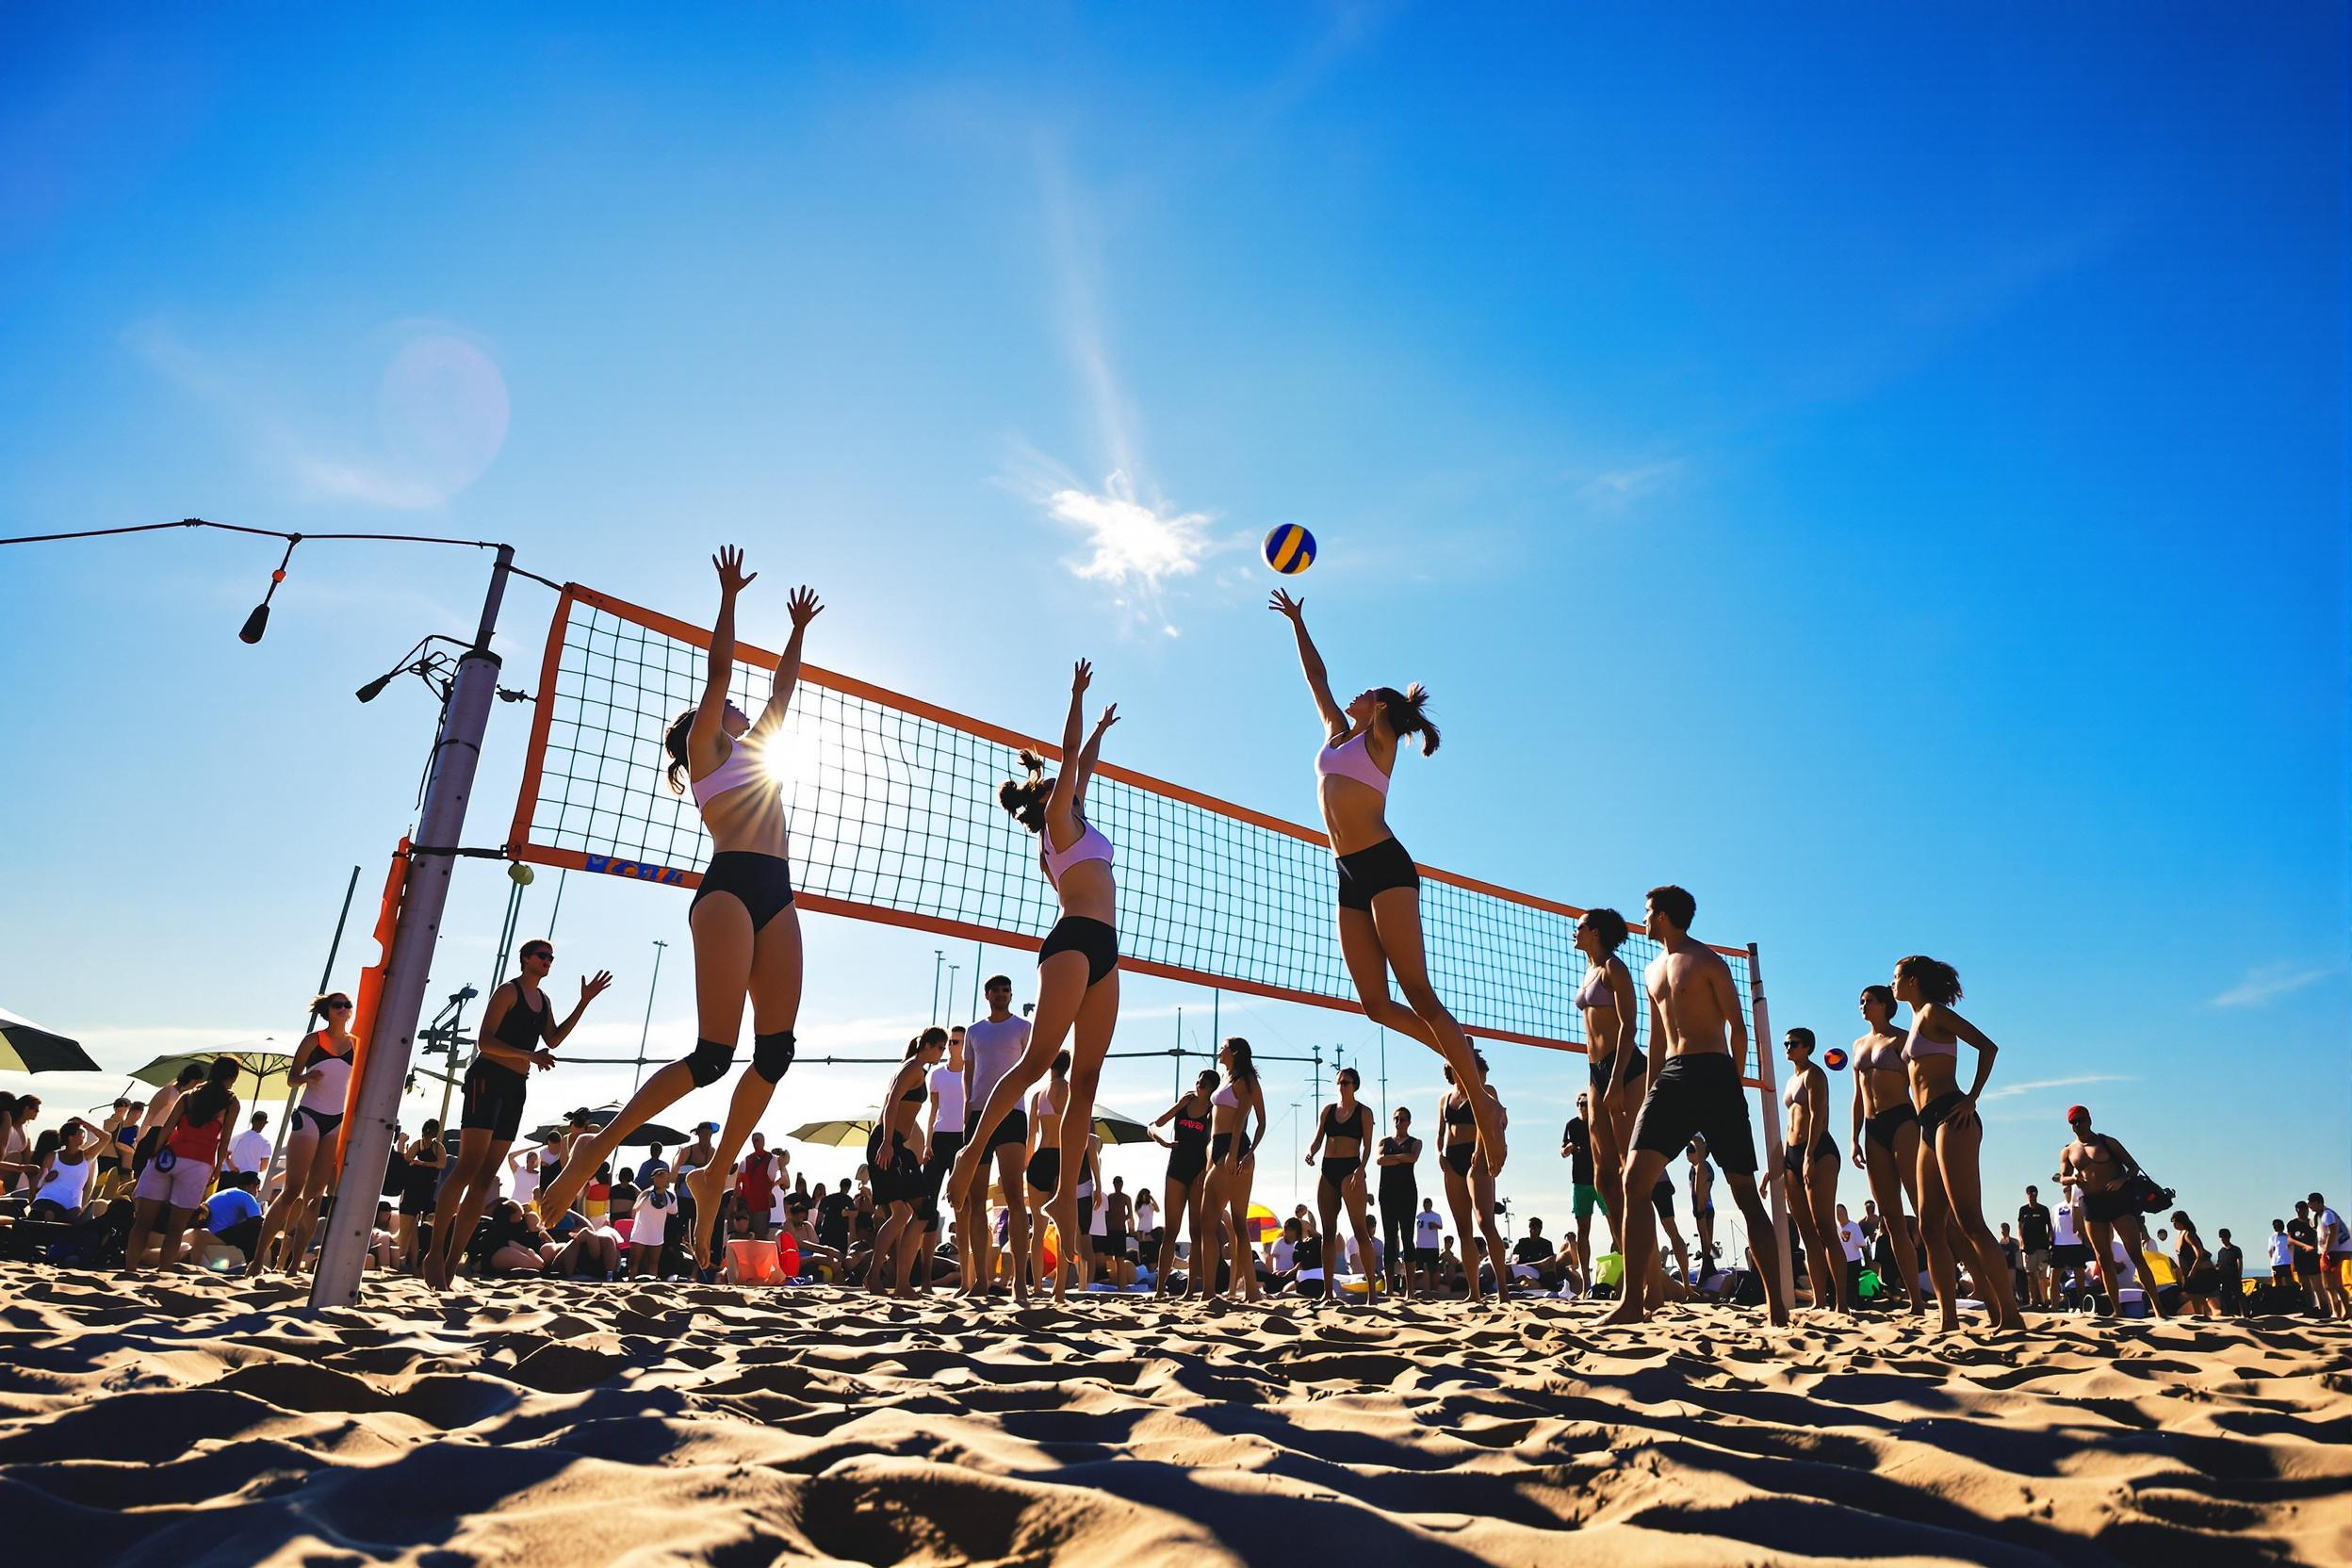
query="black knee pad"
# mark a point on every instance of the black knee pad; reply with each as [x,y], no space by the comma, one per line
[709,1062]
[772,1053]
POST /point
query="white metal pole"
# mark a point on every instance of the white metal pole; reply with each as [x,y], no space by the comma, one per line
[440,825]
[646,1031]
[1762,1021]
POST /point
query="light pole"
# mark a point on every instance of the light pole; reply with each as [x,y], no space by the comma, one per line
[952,971]
[646,1030]
[938,962]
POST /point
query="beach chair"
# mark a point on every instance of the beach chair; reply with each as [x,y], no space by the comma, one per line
[753,1263]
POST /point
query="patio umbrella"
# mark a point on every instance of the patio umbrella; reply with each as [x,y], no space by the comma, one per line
[258,1061]
[27,1047]
[1113,1129]
[1262,1221]
[836,1134]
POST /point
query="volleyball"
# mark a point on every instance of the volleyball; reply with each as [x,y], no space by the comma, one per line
[1834,1057]
[1289,548]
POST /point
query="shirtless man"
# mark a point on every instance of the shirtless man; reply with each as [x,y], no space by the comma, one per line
[2102,1166]
[1697,1039]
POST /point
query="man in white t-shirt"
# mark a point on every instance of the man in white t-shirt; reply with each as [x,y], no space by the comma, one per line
[524,1177]
[250,1152]
[1429,1233]
[650,1225]
[1850,1240]
[2335,1247]
[991,1047]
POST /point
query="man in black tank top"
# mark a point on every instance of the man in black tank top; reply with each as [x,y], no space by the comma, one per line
[518,1033]
[1400,1195]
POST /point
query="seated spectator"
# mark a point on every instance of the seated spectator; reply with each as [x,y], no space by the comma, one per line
[510,1241]
[1280,1270]
[1532,1258]
[232,1217]
[384,1240]
[62,1180]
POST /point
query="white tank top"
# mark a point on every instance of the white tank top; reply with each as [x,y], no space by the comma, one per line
[68,1186]
[335,1081]
[993,1048]
[948,1085]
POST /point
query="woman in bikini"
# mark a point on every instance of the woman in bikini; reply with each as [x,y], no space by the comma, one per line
[1380,889]
[895,1153]
[1952,1210]
[1187,1163]
[1887,1132]
[1233,1167]
[1809,1169]
[321,1069]
[1619,1074]
[1044,1177]
[1474,1218]
[1077,966]
[1342,1135]
[746,932]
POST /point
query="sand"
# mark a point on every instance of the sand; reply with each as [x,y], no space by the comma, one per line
[193,1420]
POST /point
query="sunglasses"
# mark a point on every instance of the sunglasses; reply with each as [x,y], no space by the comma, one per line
[540,953]
[338,1006]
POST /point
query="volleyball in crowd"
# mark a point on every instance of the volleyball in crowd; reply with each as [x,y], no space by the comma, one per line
[1835,1057]
[1289,548]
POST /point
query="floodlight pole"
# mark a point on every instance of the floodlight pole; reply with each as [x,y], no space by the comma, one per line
[440,825]
[1767,1088]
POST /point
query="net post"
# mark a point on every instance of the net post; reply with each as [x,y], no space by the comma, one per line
[440,826]
[1768,1089]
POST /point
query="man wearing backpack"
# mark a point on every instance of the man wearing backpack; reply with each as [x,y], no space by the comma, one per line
[2110,1179]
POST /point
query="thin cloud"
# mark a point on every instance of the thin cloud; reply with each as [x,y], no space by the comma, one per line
[442,418]
[1625,484]
[2008,1091]
[1137,540]
[2268,983]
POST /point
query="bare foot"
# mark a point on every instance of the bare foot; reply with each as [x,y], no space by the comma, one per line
[1627,1310]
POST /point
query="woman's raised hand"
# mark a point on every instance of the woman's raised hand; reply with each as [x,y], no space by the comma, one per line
[1282,604]
[1108,718]
[733,579]
[803,606]
[1081,677]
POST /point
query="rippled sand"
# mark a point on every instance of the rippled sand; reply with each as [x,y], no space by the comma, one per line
[194,1420]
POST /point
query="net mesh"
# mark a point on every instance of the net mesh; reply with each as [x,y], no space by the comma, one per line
[892,812]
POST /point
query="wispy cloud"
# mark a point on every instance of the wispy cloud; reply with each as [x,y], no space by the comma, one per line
[2010,1091]
[1138,540]
[2272,981]
[441,417]
[1618,485]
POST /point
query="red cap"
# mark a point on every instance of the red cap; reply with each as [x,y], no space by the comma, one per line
[2073,1110]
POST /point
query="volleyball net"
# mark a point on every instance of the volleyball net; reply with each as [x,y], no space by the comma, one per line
[891,807]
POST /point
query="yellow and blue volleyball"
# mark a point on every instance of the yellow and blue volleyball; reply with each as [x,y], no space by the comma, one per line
[1289,549]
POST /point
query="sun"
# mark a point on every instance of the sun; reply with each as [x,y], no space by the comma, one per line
[793,756]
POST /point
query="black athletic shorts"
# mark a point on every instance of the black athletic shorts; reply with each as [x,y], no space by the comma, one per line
[1697,1095]
[1014,1129]
[493,1100]
[1097,943]
[1372,870]
[762,883]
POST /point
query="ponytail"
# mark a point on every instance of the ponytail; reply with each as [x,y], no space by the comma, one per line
[1407,714]
[1026,799]
[1243,1069]
[208,1104]
[673,742]
[1938,983]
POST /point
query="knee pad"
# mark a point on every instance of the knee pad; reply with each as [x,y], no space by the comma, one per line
[710,1061]
[772,1053]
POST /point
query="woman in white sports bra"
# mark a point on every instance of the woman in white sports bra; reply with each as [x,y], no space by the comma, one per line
[746,932]
[321,1069]
[1380,889]
[1077,966]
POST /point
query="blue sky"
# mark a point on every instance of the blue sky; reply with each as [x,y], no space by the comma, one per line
[1884,472]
